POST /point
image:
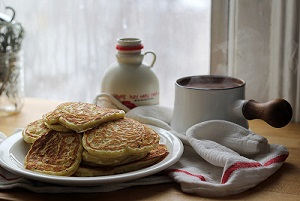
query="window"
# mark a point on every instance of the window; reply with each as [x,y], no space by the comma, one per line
[69,44]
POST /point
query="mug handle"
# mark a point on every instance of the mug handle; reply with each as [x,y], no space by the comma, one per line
[154,57]
[278,113]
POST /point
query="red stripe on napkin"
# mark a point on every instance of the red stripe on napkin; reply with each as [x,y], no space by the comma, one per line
[278,159]
[187,173]
[239,165]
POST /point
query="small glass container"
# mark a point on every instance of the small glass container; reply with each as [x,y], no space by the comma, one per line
[11,65]
[11,83]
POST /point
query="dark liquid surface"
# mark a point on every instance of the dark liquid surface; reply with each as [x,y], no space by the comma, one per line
[210,82]
[212,85]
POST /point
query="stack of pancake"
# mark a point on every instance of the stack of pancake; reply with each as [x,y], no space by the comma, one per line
[82,139]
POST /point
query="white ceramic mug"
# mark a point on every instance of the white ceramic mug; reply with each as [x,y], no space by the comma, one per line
[210,97]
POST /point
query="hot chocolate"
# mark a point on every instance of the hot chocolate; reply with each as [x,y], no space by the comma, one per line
[210,82]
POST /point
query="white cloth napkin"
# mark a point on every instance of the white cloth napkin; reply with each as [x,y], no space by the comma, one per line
[220,158]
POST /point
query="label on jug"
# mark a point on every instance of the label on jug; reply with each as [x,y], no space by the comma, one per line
[133,100]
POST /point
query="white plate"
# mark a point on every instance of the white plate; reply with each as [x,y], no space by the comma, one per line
[14,149]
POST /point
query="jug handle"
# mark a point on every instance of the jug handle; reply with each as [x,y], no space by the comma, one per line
[277,113]
[154,57]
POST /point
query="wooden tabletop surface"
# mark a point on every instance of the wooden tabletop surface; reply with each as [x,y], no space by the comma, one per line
[283,185]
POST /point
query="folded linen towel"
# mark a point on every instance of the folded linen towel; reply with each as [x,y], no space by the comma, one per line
[220,158]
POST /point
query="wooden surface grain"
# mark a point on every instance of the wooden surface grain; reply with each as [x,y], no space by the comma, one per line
[283,185]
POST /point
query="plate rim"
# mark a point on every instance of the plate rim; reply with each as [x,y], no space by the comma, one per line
[7,163]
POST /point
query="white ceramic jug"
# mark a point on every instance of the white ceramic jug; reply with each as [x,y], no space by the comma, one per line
[129,79]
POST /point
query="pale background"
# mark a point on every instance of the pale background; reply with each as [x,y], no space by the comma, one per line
[70,43]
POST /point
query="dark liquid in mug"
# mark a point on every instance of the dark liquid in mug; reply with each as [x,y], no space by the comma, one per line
[210,82]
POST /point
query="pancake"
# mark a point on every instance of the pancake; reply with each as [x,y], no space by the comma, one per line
[93,160]
[34,130]
[55,153]
[117,140]
[57,127]
[154,156]
[80,116]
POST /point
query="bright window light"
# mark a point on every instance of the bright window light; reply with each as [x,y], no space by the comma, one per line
[69,44]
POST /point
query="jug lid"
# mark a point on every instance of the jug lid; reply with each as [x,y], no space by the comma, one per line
[129,44]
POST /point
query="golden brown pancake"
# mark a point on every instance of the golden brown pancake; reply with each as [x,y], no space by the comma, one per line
[55,153]
[80,116]
[34,130]
[93,160]
[155,155]
[57,127]
[111,142]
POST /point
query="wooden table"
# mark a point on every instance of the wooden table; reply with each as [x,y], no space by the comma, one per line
[283,185]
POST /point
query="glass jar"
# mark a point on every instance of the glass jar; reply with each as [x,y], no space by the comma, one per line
[11,83]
